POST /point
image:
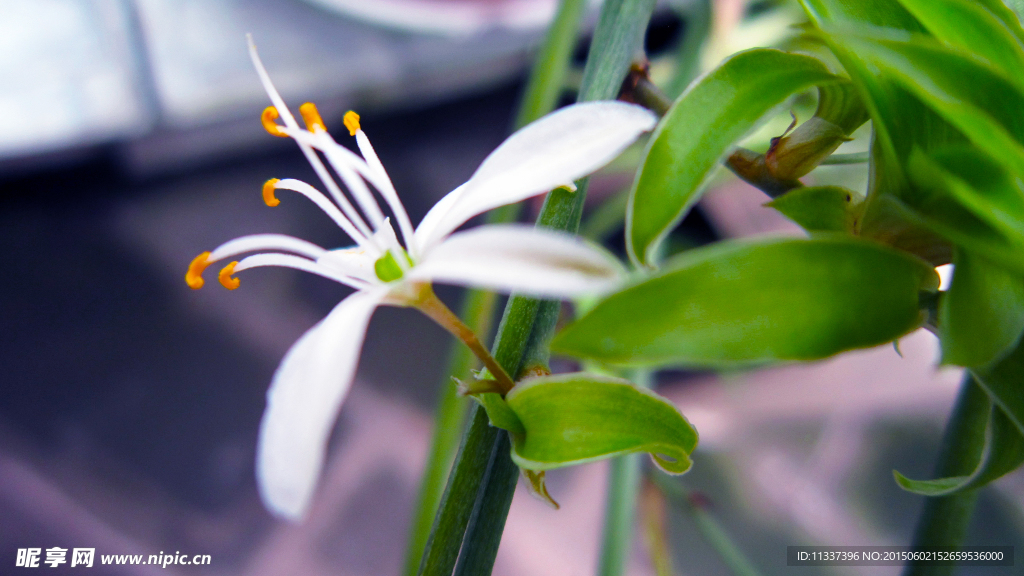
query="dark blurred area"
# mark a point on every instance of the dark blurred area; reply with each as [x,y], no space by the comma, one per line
[129,404]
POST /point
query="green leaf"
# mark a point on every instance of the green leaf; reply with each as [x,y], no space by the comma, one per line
[884,13]
[697,132]
[746,302]
[982,315]
[1003,453]
[985,108]
[900,124]
[952,200]
[971,28]
[1004,13]
[820,208]
[1003,381]
[975,182]
[578,418]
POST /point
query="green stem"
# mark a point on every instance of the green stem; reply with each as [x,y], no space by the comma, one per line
[709,526]
[525,328]
[477,309]
[944,520]
[620,505]
[457,502]
[851,158]
[483,535]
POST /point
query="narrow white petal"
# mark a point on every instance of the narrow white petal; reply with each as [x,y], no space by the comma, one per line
[387,189]
[519,258]
[300,263]
[263,242]
[303,402]
[427,232]
[549,153]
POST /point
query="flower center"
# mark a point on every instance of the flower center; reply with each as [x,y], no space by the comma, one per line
[387,268]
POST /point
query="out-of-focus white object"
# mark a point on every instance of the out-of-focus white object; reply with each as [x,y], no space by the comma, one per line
[169,84]
[456,17]
[66,75]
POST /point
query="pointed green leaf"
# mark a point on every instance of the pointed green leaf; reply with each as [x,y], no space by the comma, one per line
[745,302]
[883,13]
[899,122]
[697,132]
[977,183]
[971,28]
[1003,453]
[1003,12]
[1004,382]
[985,109]
[577,418]
[982,314]
[820,208]
[972,204]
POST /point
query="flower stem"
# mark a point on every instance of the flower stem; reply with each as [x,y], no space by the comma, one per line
[944,520]
[458,502]
[431,305]
[523,335]
[449,416]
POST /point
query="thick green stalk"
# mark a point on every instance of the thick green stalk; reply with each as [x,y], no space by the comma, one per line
[539,98]
[618,38]
[457,502]
[944,520]
[526,326]
[620,504]
[477,311]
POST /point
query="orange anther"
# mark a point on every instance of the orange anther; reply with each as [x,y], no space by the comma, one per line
[268,192]
[226,279]
[312,117]
[268,118]
[351,122]
[194,276]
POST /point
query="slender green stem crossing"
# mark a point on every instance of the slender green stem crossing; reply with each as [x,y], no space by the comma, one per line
[523,334]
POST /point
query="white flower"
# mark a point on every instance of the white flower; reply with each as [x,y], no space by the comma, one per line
[316,373]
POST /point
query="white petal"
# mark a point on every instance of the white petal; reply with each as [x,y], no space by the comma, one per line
[519,258]
[303,402]
[549,153]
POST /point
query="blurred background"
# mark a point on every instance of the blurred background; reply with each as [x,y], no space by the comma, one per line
[129,404]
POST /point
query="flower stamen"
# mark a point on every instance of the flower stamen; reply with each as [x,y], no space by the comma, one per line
[268,192]
[268,118]
[225,276]
[351,122]
[312,117]
[194,276]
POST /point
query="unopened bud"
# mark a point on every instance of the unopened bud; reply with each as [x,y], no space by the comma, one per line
[794,155]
